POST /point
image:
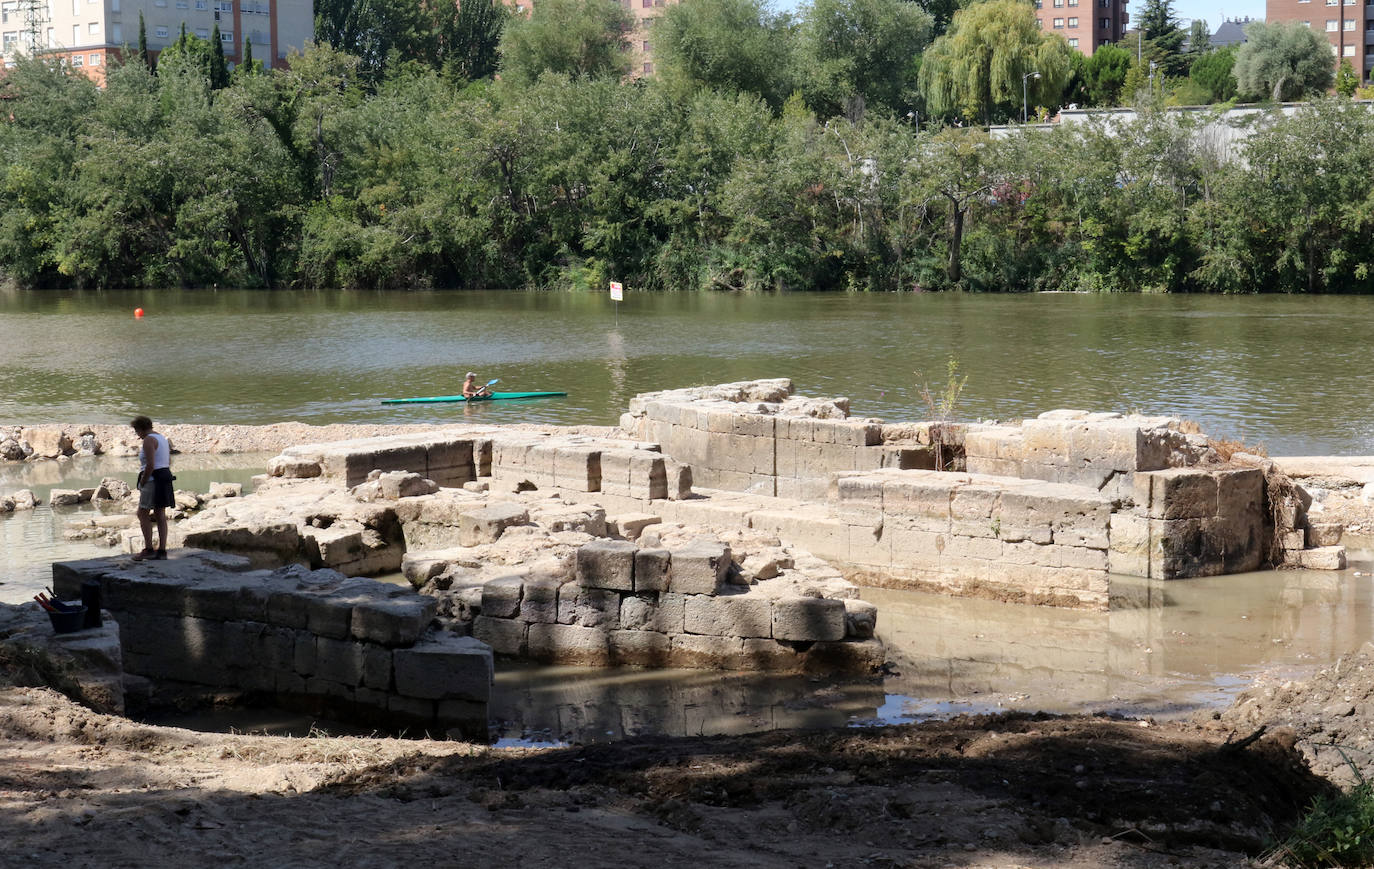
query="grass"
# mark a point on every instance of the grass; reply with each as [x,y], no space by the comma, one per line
[1338,831]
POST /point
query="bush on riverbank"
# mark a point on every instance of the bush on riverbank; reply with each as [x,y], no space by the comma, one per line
[314,176]
[1339,831]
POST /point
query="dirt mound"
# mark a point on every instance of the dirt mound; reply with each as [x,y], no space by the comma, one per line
[1330,714]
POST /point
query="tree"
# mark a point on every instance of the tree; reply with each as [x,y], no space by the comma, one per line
[979,67]
[143,42]
[730,46]
[1164,37]
[863,52]
[1104,74]
[1285,60]
[219,69]
[470,39]
[372,30]
[1346,79]
[577,38]
[1212,72]
[1199,37]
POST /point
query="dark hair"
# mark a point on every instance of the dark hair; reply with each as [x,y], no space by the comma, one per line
[142,423]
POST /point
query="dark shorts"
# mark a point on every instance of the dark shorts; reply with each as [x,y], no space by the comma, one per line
[157,491]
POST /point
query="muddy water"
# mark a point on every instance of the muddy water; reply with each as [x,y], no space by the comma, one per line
[1163,649]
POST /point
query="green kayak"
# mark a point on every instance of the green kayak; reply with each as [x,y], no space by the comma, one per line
[495,396]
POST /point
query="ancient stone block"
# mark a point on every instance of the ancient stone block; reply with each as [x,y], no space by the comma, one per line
[706,652]
[606,564]
[501,597]
[577,467]
[699,567]
[648,476]
[769,655]
[443,668]
[640,648]
[569,644]
[860,618]
[328,616]
[1180,493]
[629,525]
[1129,552]
[1321,534]
[808,618]
[646,612]
[396,621]
[855,656]
[377,667]
[486,525]
[1240,492]
[339,661]
[730,615]
[1323,558]
[588,607]
[505,636]
[540,602]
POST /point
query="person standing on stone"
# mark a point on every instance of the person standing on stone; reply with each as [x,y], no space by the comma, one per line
[154,487]
[471,389]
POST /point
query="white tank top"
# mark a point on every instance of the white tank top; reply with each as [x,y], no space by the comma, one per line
[162,455]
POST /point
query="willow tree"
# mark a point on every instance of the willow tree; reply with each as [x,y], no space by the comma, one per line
[992,50]
[1284,60]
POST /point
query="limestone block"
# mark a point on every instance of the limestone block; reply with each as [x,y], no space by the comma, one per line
[629,525]
[376,667]
[411,709]
[679,479]
[48,443]
[336,546]
[294,467]
[821,534]
[854,656]
[328,615]
[615,471]
[985,548]
[1321,534]
[1323,558]
[588,607]
[265,544]
[700,567]
[1240,493]
[856,434]
[328,688]
[303,657]
[730,615]
[577,467]
[706,652]
[1238,542]
[396,621]
[444,667]
[985,466]
[754,425]
[925,494]
[501,597]
[869,545]
[351,462]
[64,497]
[640,648]
[769,656]
[452,462]
[860,618]
[339,661]
[1081,557]
[569,644]
[974,510]
[587,518]
[1129,552]
[606,564]
[505,636]
[405,484]
[486,525]
[652,570]
[648,476]
[540,602]
[808,618]
[463,719]
[482,456]
[1177,493]
[665,613]
[1293,540]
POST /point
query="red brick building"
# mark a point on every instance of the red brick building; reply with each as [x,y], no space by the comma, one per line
[1347,24]
[1086,24]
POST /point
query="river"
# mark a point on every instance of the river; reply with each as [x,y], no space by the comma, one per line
[1285,372]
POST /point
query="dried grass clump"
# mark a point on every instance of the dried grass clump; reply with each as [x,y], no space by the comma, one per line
[1228,447]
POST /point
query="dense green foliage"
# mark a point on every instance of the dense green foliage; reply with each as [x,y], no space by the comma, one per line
[780,163]
[1285,60]
[1339,831]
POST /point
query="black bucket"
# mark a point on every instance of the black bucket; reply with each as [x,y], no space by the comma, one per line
[90,599]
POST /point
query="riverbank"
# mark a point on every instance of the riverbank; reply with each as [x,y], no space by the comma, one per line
[1005,791]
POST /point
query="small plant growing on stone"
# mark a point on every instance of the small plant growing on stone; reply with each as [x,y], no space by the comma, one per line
[942,401]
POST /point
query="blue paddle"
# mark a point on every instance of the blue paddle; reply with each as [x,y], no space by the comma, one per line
[490,384]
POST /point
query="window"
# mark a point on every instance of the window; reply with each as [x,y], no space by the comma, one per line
[117,33]
[1348,51]
[95,60]
[1331,25]
[226,36]
[1102,42]
[648,69]
[202,33]
[1059,23]
[78,60]
[1350,24]
[1369,25]
[202,4]
[76,33]
[1104,4]
[93,28]
[1073,42]
[8,9]
[1073,22]
[1333,2]
[647,48]
[183,4]
[225,6]
[1104,23]
[114,5]
[1073,2]
[8,40]
[160,33]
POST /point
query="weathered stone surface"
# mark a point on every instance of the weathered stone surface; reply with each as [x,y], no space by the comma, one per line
[404,484]
[486,525]
[444,667]
[339,661]
[540,601]
[608,564]
[1321,534]
[700,567]
[569,644]
[501,597]
[730,615]
[65,497]
[653,569]
[707,652]
[588,607]
[268,544]
[640,648]
[222,490]
[1323,558]
[395,621]
[629,525]
[808,618]
[112,489]
[860,619]
[48,443]
[293,467]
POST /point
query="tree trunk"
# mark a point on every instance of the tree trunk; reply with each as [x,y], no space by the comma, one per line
[955,271]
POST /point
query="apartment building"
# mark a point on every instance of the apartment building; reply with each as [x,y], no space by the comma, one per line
[87,34]
[1086,24]
[640,36]
[1348,25]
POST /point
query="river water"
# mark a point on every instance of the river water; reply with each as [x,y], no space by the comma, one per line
[1286,372]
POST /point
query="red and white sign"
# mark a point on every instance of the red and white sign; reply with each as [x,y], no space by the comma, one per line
[617,292]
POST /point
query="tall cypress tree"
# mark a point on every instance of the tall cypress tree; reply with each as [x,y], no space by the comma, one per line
[248,57]
[219,70]
[143,42]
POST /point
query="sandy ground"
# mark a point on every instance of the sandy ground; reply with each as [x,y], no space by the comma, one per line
[82,789]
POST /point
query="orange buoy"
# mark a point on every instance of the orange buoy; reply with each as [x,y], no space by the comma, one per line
[138,313]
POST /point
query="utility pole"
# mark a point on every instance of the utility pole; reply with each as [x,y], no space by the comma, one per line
[35,14]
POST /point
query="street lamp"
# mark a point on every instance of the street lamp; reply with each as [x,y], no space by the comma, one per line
[1028,75]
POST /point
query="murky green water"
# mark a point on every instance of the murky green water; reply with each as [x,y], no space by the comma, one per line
[1290,372]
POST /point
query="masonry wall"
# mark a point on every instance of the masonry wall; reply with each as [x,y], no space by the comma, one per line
[351,646]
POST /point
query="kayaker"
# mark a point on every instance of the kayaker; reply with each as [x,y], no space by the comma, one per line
[471,389]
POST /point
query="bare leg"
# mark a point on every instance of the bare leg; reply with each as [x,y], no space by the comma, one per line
[161,514]
[145,522]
